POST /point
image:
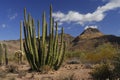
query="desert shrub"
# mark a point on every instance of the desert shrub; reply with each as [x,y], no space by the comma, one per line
[71,54]
[93,58]
[102,72]
[116,64]
[75,54]
[73,62]
[102,53]
[12,69]
[106,51]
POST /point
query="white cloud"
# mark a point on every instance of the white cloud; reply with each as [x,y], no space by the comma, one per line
[93,26]
[60,23]
[12,17]
[96,16]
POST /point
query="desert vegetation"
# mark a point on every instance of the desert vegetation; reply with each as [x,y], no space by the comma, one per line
[47,57]
[42,53]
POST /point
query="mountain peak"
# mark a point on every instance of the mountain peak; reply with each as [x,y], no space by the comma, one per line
[89,33]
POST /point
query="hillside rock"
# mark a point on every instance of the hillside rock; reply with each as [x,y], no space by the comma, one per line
[67,38]
[89,33]
[92,38]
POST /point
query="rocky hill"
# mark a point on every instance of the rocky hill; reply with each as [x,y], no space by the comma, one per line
[92,38]
[88,33]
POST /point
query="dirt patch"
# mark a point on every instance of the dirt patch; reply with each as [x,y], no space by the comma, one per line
[66,72]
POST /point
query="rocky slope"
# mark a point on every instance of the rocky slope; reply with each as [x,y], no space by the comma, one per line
[92,38]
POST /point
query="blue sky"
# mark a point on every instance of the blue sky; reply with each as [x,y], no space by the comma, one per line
[73,15]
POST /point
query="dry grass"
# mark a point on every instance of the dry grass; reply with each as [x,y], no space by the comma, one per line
[66,72]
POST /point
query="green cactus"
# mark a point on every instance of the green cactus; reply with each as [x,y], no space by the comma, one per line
[21,42]
[41,51]
[1,54]
[18,56]
[6,55]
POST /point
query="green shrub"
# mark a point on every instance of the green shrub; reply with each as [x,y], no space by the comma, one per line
[75,54]
[116,64]
[102,72]
[102,53]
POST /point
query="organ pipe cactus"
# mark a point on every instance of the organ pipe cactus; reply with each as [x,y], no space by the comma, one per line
[1,53]
[21,42]
[18,56]
[41,51]
[6,53]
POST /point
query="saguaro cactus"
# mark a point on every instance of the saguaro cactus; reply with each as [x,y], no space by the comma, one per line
[1,53]
[41,52]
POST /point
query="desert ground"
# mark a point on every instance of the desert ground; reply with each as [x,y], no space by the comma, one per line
[66,72]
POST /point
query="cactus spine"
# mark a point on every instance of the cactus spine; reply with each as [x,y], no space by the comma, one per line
[1,54]
[41,52]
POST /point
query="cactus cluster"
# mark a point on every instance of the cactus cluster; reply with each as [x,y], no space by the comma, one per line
[3,55]
[44,50]
[18,56]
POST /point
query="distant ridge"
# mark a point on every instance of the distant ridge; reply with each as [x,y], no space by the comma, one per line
[92,38]
[14,45]
[89,39]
